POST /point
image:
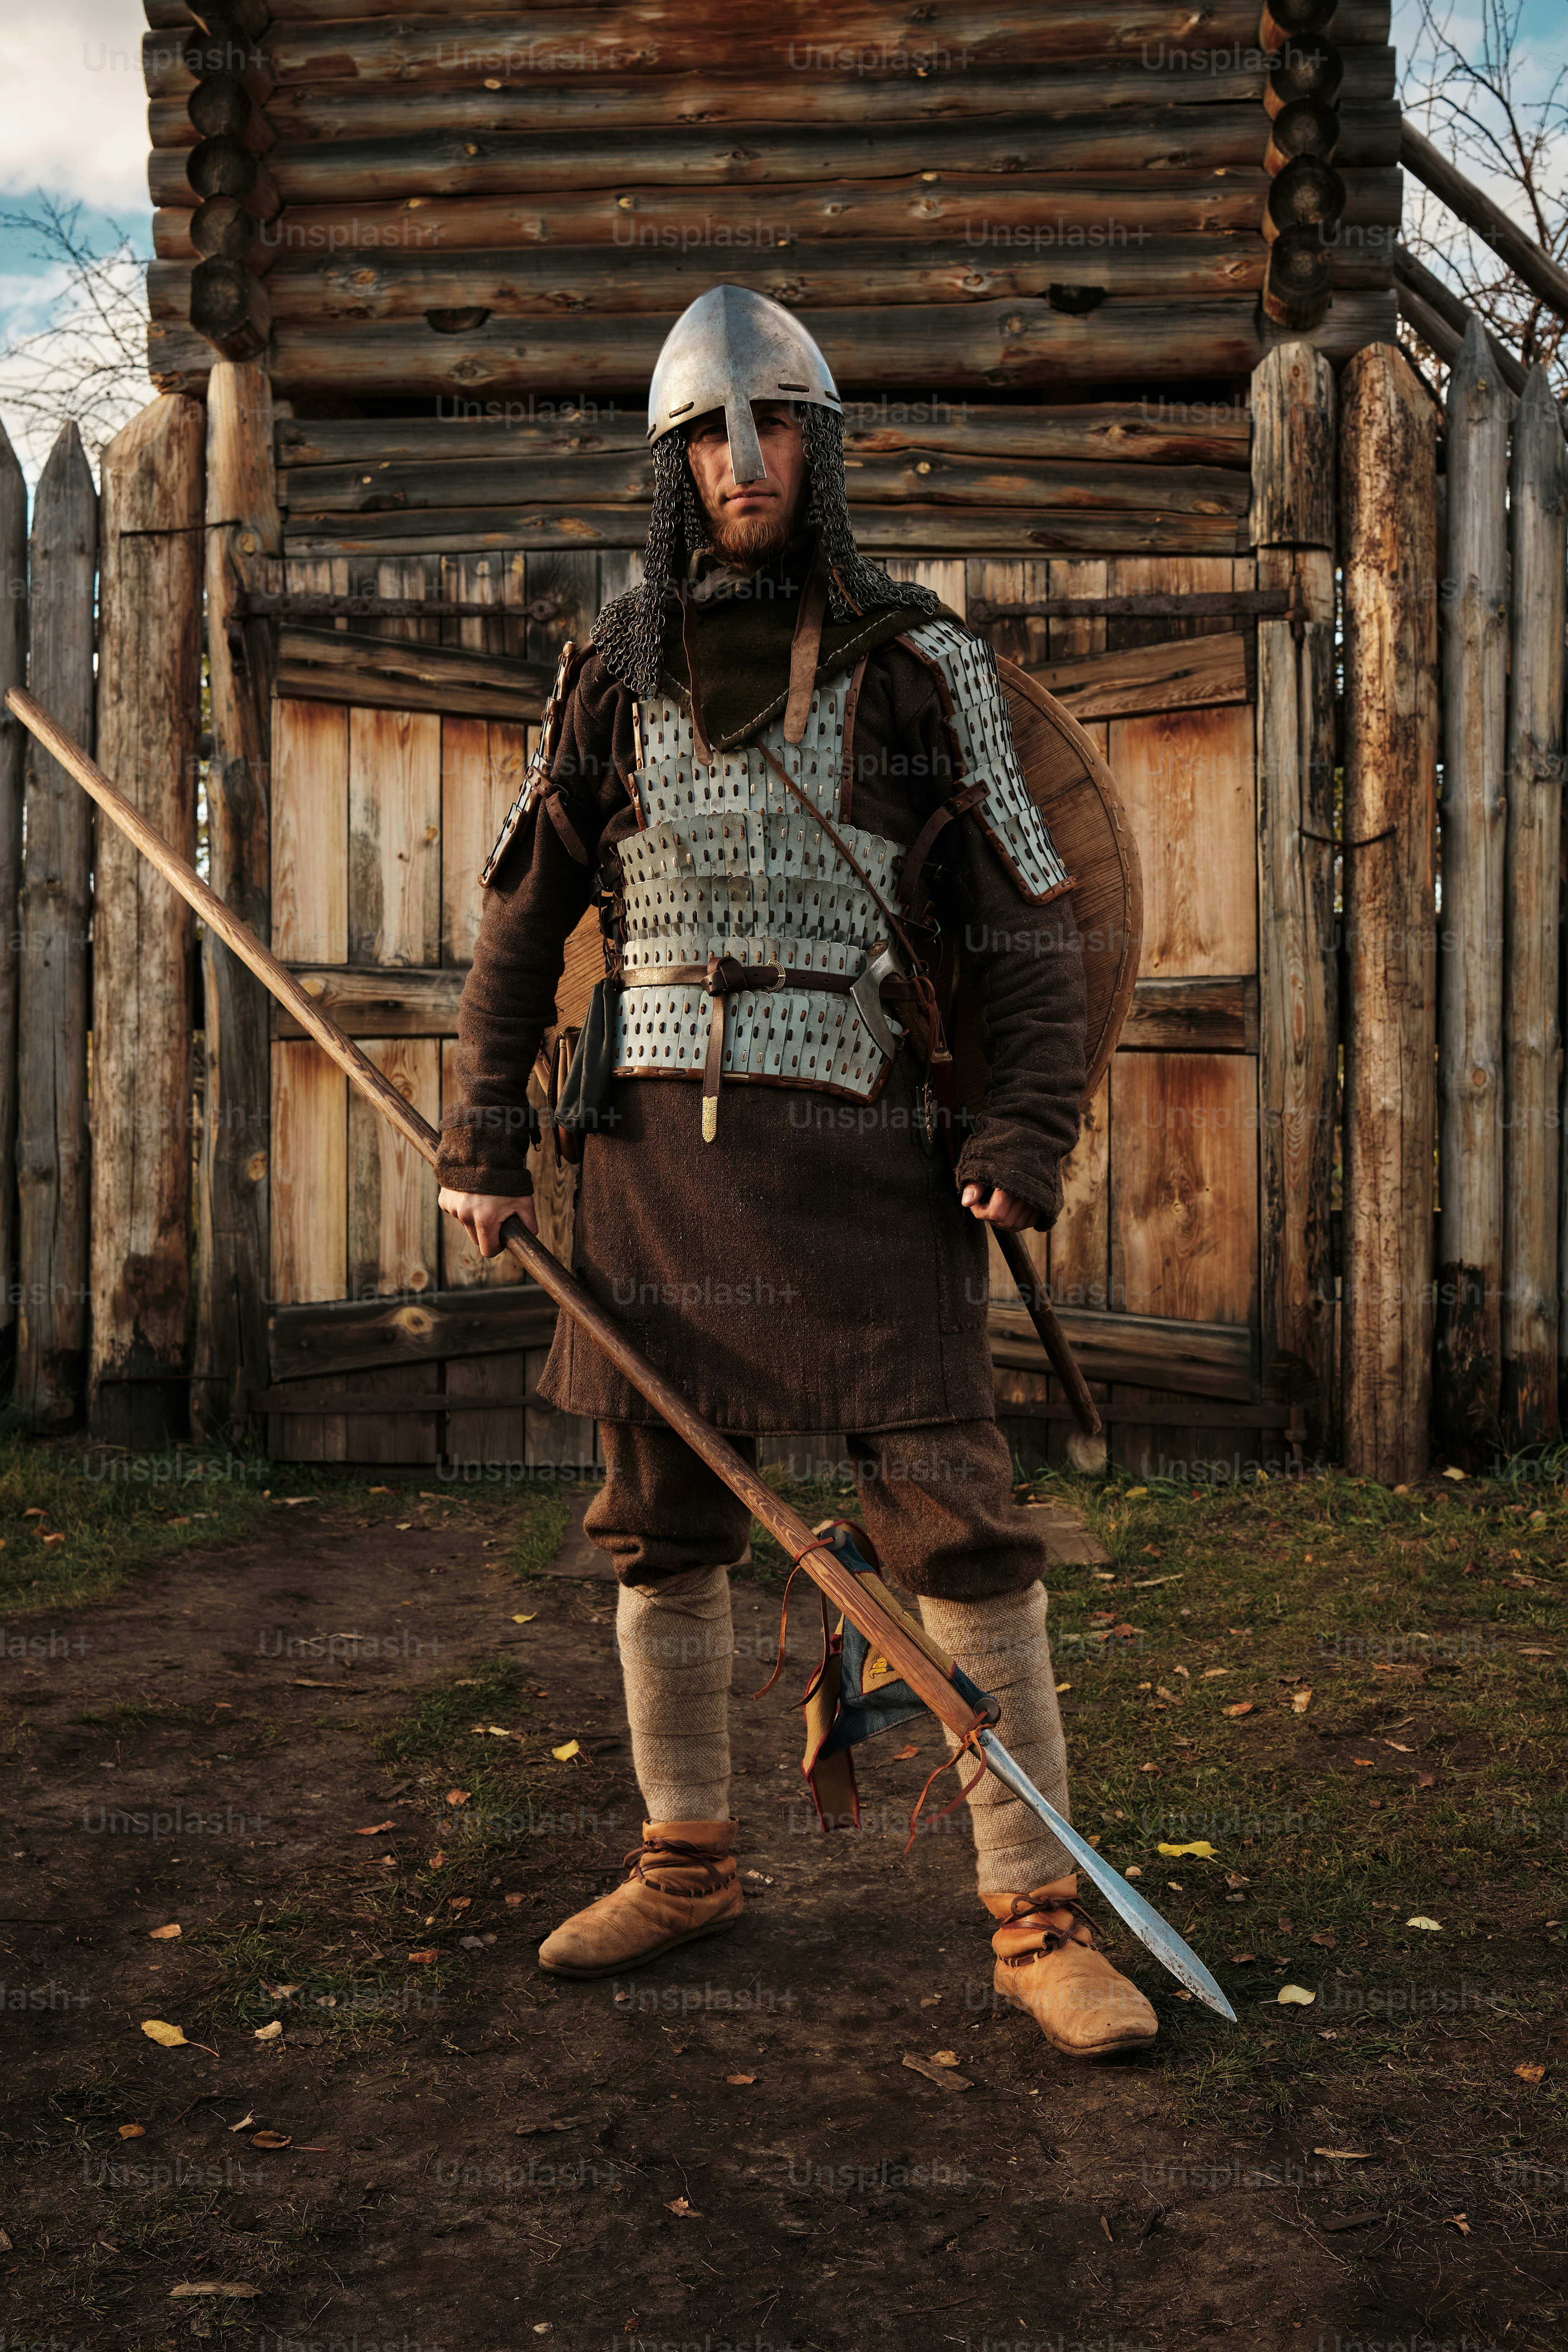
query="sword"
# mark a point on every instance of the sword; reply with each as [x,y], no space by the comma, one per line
[891,1630]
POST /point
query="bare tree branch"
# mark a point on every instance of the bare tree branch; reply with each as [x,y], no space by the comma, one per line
[88,365]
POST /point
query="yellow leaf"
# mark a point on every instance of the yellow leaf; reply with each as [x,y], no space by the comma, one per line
[1133,1493]
[1242,1706]
[1294,1997]
[1453,1474]
[562,1755]
[273,2032]
[162,1935]
[1433,1926]
[1200,1846]
[528,1619]
[169,2036]
[1063,1686]
[1301,1701]
[1525,2073]
[944,2057]
[139,2131]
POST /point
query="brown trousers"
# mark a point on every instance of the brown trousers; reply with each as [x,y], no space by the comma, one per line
[938,1506]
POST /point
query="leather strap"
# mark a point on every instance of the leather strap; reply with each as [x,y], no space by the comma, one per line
[698,734]
[919,848]
[806,649]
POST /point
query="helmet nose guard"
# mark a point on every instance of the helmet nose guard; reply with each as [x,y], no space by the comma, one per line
[726,349]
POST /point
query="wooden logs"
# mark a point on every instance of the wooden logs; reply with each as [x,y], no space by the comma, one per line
[13,672]
[1388,466]
[149,701]
[1467,1371]
[1293,531]
[1546,278]
[1307,200]
[228,304]
[52,1013]
[232,1216]
[1538,516]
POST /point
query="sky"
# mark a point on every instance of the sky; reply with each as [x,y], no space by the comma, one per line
[73,123]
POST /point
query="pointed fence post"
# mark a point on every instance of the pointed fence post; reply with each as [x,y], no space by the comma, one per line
[243,524]
[1388,495]
[1471,1135]
[52,1092]
[13,672]
[1538,516]
[149,707]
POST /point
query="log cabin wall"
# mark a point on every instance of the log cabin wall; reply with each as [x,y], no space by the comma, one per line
[1036,247]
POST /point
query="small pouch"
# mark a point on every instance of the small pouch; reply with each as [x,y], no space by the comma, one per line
[586,1091]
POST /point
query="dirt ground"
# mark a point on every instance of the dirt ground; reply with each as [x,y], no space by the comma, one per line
[729,2150]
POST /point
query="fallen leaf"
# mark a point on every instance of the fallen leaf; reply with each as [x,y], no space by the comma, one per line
[1136,1871]
[682,2205]
[1525,2073]
[1457,2221]
[1063,1686]
[513,1899]
[1367,1760]
[244,2122]
[422,1957]
[1143,1767]
[1242,1706]
[1209,1673]
[905,1753]
[1241,1959]
[53,1539]
[183,1522]
[35,1511]
[383,1490]
[1233,1879]
[458,1796]
[211,2287]
[403,1526]
[438,1861]
[1453,1474]
[1294,1997]
[162,1935]
[1326,1942]
[1301,1701]
[459,1902]
[740,2078]
[1199,1846]
[935,2074]
[944,2057]
[1345,2155]
[1399,1746]
[168,2037]
[139,2131]
[528,1619]
[272,2032]
[563,1755]
[1426,1780]
[1530,1650]
[1433,1926]
[1133,1494]
[277,1992]
[271,2139]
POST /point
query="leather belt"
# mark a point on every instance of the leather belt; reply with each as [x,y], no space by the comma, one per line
[723,976]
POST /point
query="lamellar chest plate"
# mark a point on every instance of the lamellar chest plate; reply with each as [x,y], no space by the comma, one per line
[730,864]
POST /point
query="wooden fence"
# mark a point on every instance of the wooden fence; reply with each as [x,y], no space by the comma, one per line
[1433,959]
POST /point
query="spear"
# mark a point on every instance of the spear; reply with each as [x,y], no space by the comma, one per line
[890,1629]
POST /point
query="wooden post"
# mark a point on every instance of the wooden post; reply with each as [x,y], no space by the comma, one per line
[149,703]
[13,672]
[1293,531]
[1388,477]
[1537,507]
[1468,1369]
[243,524]
[51,1075]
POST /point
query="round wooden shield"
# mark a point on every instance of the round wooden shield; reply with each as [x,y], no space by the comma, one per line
[1076,794]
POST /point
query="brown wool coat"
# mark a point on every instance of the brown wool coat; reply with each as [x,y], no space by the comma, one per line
[811,1268]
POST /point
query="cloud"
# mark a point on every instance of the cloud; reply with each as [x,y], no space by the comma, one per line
[76,107]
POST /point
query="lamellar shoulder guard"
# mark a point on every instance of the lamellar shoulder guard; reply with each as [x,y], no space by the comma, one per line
[980,738]
[537,772]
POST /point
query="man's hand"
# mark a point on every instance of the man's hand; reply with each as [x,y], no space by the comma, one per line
[482,1215]
[995,1207]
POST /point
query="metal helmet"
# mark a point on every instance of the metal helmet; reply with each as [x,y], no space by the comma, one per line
[726,349]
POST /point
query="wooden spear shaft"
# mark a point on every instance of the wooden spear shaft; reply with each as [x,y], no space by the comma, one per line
[895,1634]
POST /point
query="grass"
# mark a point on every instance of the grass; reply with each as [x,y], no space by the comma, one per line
[1428,1630]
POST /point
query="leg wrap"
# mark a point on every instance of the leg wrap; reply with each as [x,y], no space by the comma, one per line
[677,1644]
[1001,1644]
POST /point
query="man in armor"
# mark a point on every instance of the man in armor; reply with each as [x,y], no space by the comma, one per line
[788,782]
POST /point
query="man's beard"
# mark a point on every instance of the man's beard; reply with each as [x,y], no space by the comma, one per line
[749,541]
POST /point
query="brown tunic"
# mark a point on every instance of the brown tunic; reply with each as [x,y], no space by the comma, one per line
[811,1268]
